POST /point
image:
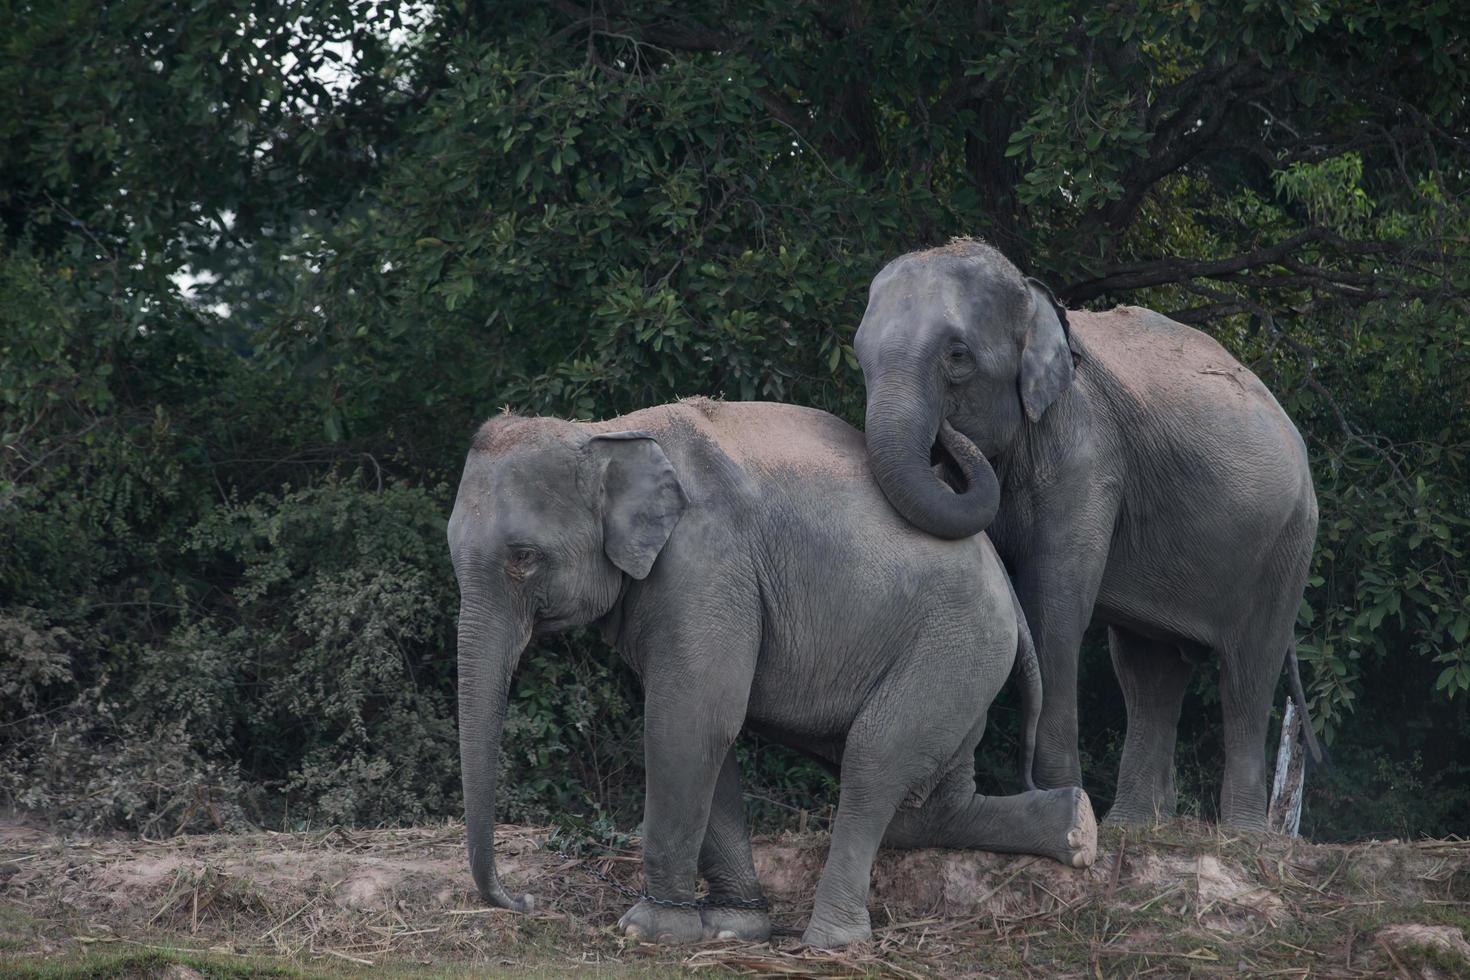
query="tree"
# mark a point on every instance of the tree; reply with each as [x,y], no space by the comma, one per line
[399,221]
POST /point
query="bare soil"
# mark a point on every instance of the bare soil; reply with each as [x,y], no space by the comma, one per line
[1178,899]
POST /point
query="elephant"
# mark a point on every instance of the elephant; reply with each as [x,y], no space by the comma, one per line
[1136,475]
[744,564]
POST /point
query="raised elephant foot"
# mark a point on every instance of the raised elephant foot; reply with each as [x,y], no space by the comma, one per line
[1076,838]
[824,934]
[651,923]
[752,925]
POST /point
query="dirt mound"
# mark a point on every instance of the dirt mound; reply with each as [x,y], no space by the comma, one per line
[1176,899]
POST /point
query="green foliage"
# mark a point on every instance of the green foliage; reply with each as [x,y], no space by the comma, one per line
[336,618]
[1331,190]
[585,249]
[571,734]
[261,272]
[1374,793]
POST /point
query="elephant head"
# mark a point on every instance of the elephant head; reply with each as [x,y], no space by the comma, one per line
[955,335]
[549,524]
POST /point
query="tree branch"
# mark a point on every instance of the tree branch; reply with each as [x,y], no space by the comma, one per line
[1141,275]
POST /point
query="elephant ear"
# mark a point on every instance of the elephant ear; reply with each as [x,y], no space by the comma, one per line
[640,498]
[1046,360]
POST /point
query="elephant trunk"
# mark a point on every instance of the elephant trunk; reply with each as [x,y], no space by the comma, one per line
[490,645]
[904,416]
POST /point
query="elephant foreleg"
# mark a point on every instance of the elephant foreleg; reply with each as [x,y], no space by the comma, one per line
[1057,588]
[725,863]
[692,715]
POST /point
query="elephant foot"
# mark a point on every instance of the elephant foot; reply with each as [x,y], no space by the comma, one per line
[1144,801]
[1076,838]
[1117,817]
[1122,815]
[753,925]
[825,934]
[1253,824]
[649,923]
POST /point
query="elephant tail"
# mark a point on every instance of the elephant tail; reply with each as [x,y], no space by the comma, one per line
[1028,671]
[1314,748]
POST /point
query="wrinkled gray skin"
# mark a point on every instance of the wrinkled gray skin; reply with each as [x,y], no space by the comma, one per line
[1141,478]
[744,563]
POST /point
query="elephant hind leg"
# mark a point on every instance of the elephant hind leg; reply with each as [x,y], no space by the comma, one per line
[1153,675]
[1252,656]
[1054,823]
[916,724]
[1248,678]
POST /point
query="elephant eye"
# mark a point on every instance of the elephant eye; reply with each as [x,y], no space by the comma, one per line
[958,353]
[523,559]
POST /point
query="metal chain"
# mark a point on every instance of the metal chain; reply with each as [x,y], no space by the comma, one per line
[758,903]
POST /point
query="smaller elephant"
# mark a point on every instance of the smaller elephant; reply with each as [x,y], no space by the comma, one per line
[746,565]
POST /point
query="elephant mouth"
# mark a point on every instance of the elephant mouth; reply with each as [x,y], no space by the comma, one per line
[544,628]
[946,467]
[949,456]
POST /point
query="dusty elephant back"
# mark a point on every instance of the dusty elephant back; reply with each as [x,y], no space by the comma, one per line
[789,467]
[759,436]
[783,449]
[1192,391]
[1162,364]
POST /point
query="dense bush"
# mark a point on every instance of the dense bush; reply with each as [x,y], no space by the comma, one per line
[260,276]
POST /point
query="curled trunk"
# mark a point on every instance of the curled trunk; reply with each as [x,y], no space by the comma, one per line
[489,648]
[904,417]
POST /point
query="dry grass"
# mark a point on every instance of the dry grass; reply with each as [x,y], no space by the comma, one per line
[1179,899]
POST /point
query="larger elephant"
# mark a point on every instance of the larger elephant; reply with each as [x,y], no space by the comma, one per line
[747,567]
[1139,476]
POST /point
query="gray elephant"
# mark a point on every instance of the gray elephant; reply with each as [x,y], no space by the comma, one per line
[1140,477]
[746,566]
